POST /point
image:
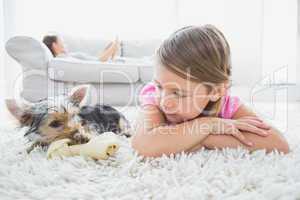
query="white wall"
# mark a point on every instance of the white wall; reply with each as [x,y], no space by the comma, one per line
[11,69]
[258,45]
[241,22]
[2,82]
[130,19]
[1,50]
[280,40]
[298,52]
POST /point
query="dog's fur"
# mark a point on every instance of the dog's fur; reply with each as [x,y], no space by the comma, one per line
[47,122]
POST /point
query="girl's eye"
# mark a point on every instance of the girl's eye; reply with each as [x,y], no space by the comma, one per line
[179,94]
[55,124]
[159,87]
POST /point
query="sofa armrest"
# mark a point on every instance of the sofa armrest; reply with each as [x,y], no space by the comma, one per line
[28,52]
[33,56]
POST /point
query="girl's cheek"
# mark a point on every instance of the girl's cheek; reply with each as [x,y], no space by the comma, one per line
[193,106]
[157,98]
[201,104]
[168,105]
[188,108]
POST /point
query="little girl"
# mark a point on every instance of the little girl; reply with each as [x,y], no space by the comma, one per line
[188,107]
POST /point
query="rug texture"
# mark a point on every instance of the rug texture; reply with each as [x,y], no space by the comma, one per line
[226,174]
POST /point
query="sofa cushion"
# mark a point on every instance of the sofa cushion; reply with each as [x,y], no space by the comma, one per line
[146,73]
[139,49]
[75,70]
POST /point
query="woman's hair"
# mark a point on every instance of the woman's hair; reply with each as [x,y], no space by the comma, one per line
[48,40]
[200,54]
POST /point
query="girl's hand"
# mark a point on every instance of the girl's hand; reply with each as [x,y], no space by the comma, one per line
[234,126]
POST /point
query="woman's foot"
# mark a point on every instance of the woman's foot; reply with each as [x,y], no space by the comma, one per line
[110,51]
[116,47]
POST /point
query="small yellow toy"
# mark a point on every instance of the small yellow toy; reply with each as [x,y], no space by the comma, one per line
[99,147]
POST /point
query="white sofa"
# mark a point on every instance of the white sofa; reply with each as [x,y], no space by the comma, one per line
[116,83]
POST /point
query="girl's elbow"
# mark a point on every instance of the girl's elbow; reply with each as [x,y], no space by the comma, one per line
[281,146]
[284,147]
[279,142]
[144,148]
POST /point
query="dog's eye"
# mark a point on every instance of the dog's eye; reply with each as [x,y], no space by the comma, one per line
[55,124]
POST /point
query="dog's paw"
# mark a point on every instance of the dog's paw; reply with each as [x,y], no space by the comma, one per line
[81,139]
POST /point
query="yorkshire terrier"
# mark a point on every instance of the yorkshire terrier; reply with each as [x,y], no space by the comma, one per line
[64,117]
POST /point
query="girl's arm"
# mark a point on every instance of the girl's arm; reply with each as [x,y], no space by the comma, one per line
[271,142]
[154,138]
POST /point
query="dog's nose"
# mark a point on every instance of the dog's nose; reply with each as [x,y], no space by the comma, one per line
[125,127]
[74,131]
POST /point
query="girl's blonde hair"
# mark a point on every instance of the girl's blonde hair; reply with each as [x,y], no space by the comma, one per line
[198,53]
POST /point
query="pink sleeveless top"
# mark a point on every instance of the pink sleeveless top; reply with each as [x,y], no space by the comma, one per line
[229,104]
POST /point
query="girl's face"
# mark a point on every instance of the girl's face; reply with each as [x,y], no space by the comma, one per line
[180,99]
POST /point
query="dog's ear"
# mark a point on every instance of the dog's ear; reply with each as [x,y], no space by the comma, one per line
[79,94]
[24,116]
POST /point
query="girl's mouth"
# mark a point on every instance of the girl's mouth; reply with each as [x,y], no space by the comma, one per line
[172,118]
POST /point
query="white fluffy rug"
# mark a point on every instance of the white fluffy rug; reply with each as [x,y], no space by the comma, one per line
[227,174]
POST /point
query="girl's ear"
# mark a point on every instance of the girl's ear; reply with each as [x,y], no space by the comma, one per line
[223,88]
[218,92]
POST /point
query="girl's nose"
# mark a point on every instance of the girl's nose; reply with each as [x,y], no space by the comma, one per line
[168,105]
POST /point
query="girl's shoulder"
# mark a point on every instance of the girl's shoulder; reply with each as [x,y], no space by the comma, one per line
[229,105]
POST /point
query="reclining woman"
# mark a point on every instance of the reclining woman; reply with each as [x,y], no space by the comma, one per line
[57,48]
